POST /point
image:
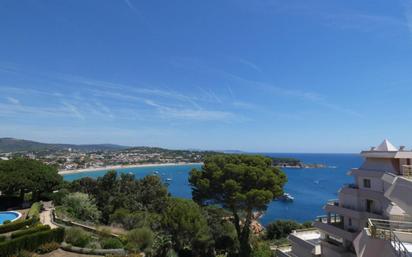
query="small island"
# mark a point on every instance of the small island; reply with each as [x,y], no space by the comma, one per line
[295,163]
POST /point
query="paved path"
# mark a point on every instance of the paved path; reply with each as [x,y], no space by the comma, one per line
[45,215]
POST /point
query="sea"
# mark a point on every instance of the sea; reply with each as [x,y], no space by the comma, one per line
[311,187]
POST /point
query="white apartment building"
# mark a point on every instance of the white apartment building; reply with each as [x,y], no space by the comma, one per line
[371,218]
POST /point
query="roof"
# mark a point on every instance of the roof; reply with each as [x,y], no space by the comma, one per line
[386,146]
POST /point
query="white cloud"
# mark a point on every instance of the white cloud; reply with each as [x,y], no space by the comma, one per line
[191,114]
[250,65]
[13,100]
[74,110]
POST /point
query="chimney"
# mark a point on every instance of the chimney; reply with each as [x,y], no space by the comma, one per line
[402,148]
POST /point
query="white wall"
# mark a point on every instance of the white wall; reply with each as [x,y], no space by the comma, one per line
[383,164]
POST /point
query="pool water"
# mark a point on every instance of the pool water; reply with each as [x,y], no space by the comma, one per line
[8,215]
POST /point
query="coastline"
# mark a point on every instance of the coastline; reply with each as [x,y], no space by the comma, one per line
[115,167]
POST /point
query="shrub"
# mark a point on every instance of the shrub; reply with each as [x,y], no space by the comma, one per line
[31,242]
[262,249]
[7,222]
[82,206]
[281,228]
[111,243]
[104,232]
[140,239]
[34,211]
[16,225]
[58,197]
[30,231]
[77,237]
[47,247]
[2,238]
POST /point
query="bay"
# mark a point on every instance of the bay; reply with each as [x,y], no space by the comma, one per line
[311,188]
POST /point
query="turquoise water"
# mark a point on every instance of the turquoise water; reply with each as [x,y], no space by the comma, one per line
[7,216]
[310,187]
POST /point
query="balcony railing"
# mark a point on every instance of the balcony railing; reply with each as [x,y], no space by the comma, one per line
[407,171]
[334,202]
[385,230]
[332,219]
[351,185]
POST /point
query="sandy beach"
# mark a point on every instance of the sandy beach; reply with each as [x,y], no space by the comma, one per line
[115,167]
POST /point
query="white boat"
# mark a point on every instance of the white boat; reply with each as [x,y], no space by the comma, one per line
[155,172]
[286,197]
[168,179]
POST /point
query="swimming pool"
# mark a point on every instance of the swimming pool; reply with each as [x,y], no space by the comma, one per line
[9,215]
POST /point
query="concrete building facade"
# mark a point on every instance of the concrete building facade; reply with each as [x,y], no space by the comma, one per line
[373,216]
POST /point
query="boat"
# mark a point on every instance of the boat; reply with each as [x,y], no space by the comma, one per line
[168,179]
[286,197]
[155,172]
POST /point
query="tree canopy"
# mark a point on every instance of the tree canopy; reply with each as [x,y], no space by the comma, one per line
[183,219]
[240,183]
[81,206]
[130,196]
[20,176]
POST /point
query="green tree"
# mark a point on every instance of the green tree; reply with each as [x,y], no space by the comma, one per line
[82,206]
[184,221]
[153,194]
[24,175]
[242,184]
[282,228]
[124,191]
[222,230]
[137,219]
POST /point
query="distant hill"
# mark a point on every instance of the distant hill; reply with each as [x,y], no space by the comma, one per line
[21,145]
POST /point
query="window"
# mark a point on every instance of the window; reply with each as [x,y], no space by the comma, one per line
[369,205]
[367,183]
[350,222]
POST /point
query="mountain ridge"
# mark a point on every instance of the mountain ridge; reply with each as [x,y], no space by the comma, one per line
[8,144]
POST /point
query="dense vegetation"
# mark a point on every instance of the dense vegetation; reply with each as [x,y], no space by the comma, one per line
[226,194]
[161,225]
[31,241]
[242,184]
[20,176]
[282,228]
[118,198]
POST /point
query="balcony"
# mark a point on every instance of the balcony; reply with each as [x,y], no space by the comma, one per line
[406,171]
[333,225]
[333,202]
[351,185]
[397,232]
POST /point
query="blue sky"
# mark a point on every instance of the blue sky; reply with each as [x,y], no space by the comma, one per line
[261,75]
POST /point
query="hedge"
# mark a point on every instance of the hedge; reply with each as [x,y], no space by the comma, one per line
[16,225]
[29,231]
[34,211]
[3,238]
[31,242]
